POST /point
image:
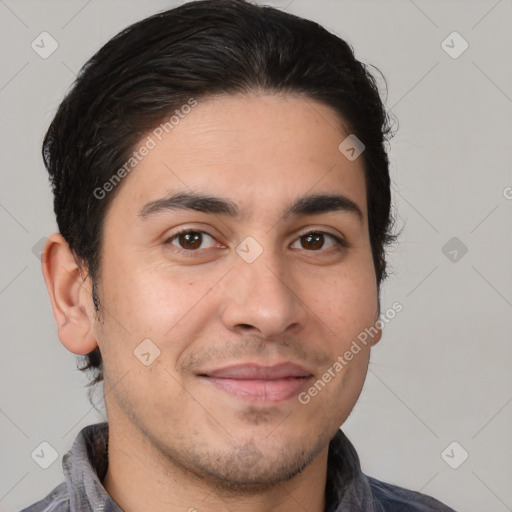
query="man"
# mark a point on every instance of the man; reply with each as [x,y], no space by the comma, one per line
[223,201]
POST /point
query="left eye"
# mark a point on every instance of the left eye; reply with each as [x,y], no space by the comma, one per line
[315,240]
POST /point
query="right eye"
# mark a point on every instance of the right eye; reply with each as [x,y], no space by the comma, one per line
[189,240]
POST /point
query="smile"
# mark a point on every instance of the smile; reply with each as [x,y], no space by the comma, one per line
[257,383]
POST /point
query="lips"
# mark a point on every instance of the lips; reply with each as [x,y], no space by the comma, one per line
[257,372]
[258,383]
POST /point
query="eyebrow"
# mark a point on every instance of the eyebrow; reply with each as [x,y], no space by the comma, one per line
[307,205]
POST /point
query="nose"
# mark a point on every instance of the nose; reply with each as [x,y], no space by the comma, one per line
[262,297]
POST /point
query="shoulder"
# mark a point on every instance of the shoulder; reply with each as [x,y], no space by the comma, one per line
[56,501]
[392,498]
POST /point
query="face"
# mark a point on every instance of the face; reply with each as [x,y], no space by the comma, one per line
[248,298]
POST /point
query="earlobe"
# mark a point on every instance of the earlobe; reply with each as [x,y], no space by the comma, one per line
[378,325]
[378,336]
[70,296]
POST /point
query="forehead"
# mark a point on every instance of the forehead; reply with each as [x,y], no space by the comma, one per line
[260,151]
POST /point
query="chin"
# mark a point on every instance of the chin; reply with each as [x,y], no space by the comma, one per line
[249,469]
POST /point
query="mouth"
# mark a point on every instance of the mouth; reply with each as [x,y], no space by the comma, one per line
[257,383]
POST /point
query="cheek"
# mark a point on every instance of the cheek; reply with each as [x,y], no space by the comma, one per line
[154,302]
[347,303]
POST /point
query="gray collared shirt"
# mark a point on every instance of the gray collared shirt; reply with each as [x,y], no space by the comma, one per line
[347,488]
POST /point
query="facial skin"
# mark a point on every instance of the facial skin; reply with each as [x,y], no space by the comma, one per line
[177,435]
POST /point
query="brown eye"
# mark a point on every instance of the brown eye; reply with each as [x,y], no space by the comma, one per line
[189,240]
[312,241]
[316,240]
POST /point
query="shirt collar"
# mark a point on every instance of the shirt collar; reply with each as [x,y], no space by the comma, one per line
[347,488]
[85,466]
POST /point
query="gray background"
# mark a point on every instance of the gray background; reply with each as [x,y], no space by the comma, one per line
[442,371]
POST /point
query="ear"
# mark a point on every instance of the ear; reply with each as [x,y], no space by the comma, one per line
[70,296]
[377,325]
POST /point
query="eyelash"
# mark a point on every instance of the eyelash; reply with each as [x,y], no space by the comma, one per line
[341,244]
